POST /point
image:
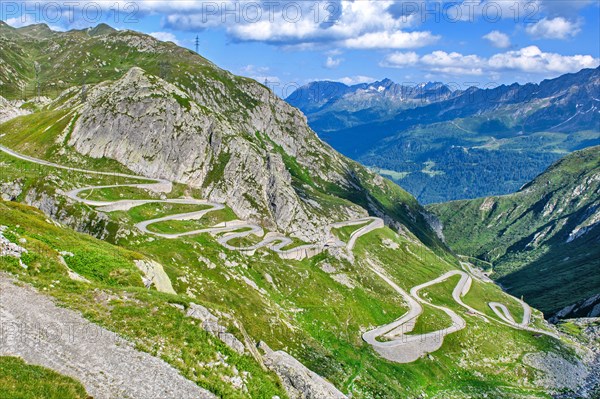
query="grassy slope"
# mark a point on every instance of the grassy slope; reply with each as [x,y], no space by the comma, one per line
[21,380]
[550,273]
[117,300]
[323,332]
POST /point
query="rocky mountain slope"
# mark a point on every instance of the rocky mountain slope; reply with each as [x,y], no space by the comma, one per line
[189,121]
[544,240]
[464,144]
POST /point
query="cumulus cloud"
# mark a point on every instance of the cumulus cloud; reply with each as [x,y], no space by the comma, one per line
[498,39]
[351,24]
[354,80]
[393,40]
[331,62]
[399,59]
[165,37]
[555,28]
[528,59]
[532,59]
[437,61]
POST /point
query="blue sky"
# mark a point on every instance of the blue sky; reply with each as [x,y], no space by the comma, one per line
[289,43]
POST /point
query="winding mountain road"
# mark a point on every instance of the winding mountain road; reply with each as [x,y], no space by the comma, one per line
[394,342]
[233,229]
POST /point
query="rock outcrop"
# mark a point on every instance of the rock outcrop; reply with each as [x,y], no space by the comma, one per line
[298,380]
[228,136]
[210,323]
[589,307]
[154,274]
[10,110]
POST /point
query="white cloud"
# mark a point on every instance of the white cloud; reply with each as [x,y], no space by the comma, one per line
[353,80]
[253,69]
[61,16]
[395,40]
[555,28]
[528,59]
[452,63]
[165,37]
[532,59]
[260,74]
[352,24]
[19,22]
[498,39]
[331,62]
[29,19]
[437,61]
[401,59]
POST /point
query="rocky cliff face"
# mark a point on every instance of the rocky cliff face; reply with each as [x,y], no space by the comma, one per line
[159,130]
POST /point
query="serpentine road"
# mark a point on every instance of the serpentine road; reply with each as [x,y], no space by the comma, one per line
[232,230]
[399,346]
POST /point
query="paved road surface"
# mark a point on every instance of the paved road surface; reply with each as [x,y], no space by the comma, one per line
[273,241]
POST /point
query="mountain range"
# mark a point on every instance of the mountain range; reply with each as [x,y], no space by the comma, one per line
[221,249]
[442,144]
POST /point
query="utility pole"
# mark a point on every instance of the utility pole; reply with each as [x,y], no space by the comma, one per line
[197,44]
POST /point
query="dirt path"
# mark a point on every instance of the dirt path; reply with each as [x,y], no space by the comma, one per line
[35,329]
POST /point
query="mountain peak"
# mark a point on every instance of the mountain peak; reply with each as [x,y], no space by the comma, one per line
[41,30]
[101,29]
[434,85]
[32,27]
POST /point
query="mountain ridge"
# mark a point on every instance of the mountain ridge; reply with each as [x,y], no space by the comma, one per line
[171,272]
[470,131]
[543,239]
[320,100]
